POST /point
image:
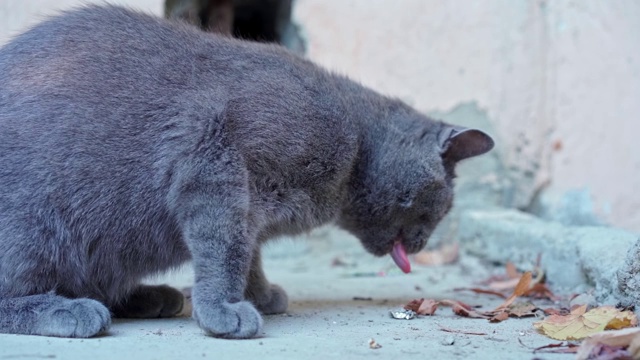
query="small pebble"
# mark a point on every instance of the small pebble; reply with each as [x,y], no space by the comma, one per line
[583,299]
[448,341]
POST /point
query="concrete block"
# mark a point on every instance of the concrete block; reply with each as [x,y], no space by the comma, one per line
[573,256]
[628,276]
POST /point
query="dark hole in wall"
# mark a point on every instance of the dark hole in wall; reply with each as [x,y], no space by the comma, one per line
[255,20]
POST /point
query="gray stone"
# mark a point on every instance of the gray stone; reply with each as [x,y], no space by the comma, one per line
[448,341]
[583,299]
[572,256]
[628,277]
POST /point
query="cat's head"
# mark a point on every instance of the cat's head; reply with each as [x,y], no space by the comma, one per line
[403,183]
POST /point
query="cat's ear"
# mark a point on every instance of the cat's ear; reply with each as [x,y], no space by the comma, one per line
[459,143]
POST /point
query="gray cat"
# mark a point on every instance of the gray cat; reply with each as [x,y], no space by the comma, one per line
[130,144]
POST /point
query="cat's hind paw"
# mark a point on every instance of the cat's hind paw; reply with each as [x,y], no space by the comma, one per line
[239,320]
[276,301]
[148,302]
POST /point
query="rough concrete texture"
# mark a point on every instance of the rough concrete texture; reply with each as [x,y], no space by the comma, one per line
[628,275]
[324,321]
[573,257]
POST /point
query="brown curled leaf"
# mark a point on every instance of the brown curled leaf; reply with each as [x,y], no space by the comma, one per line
[521,288]
[414,304]
[553,311]
[539,291]
[559,348]
[461,331]
[482,291]
[500,316]
[461,309]
[422,306]
[522,309]
[512,273]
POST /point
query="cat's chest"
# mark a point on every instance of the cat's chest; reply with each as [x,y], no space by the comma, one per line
[287,204]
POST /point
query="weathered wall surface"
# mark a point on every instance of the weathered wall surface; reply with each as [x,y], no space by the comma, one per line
[559,80]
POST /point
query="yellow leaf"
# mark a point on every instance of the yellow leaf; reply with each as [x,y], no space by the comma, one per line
[580,324]
[623,319]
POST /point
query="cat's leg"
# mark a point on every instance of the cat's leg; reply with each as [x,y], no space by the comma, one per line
[211,199]
[268,298]
[53,315]
[147,301]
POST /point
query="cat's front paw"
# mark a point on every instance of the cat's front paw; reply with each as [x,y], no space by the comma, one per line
[238,320]
[75,318]
[275,301]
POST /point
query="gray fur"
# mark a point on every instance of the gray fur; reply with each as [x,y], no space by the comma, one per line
[131,144]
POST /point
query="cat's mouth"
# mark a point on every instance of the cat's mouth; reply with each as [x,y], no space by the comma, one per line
[399,256]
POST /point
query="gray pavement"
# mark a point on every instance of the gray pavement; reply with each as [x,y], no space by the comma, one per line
[324,320]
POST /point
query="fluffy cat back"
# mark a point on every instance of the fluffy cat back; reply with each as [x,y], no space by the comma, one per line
[98,132]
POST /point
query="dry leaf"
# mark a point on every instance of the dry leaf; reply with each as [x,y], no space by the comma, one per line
[552,311]
[539,291]
[422,306]
[521,288]
[522,309]
[512,272]
[461,331]
[482,291]
[462,309]
[559,348]
[428,307]
[623,319]
[504,285]
[607,352]
[504,282]
[413,305]
[581,323]
[626,338]
[446,254]
[501,316]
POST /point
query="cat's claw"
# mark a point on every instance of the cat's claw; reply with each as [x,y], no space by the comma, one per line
[239,320]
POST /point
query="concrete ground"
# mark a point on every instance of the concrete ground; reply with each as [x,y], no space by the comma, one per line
[333,312]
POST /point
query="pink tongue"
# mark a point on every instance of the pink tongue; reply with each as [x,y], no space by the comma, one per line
[399,256]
